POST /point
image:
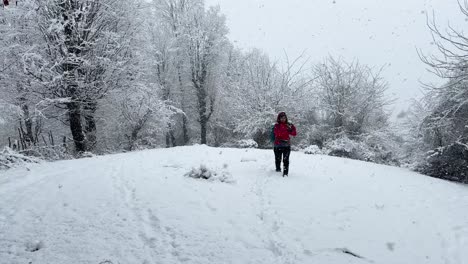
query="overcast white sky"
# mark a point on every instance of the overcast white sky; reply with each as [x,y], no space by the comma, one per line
[377,32]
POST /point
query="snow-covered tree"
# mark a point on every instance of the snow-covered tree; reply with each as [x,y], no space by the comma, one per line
[445,128]
[19,39]
[205,40]
[352,96]
[84,52]
[257,89]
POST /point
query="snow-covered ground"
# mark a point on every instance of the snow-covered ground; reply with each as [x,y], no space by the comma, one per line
[139,208]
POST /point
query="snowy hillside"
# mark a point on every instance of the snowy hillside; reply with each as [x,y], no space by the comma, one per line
[139,208]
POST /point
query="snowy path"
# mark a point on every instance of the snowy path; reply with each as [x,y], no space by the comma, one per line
[139,208]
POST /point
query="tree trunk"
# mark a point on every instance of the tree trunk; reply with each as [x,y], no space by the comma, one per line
[202,114]
[203,124]
[74,114]
[170,139]
[199,82]
[173,139]
[185,129]
[26,115]
[90,125]
[70,72]
[29,135]
[184,117]
[134,138]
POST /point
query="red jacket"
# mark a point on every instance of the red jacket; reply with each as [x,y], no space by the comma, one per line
[282,132]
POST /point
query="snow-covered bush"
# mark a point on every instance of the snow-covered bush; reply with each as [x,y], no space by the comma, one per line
[203,172]
[243,143]
[10,159]
[50,153]
[344,147]
[368,147]
[444,126]
[313,149]
[449,162]
[87,154]
[106,262]
[385,145]
[317,134]
[33,246]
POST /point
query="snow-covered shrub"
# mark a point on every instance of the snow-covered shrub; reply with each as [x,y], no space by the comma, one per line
[317,134]
[344,147]
[50,153]
[243,143]
[87,154]
[312,149]
[449,162]
[33,246]
[385,146]
[106,262]
[367,147]
[203,172]
[10,159]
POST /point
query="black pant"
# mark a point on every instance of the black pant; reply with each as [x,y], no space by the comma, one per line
[284,152]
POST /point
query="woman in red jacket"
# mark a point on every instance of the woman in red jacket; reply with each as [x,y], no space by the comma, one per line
[282,130]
